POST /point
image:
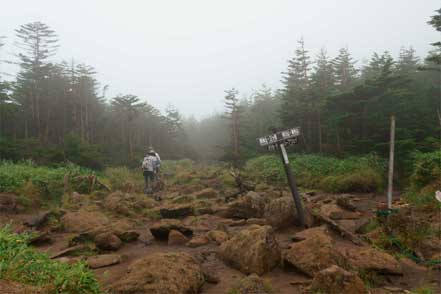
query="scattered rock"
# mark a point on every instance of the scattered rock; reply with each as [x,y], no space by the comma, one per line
[217,236]
[146,237]
[252,250]
[252,205]
[183,199]
[128,236]
[336,213]
[161,229]
[70,250]
[208,193]
[310,233]
[152,274]
[313,254]
[39,220]
[210,275]
[354,225]
[88,236]
[125,231]
[198,241]
[8,202]
[103,260]
[335,280]
[82,221]
[179,211]
[346,202]
[108,241]
[176,238]
[281,212]
[116,202]
[40,238]
[256,221]
[253,284]
[235,223]
[371,259]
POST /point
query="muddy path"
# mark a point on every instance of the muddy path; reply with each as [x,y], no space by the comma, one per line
[283,279]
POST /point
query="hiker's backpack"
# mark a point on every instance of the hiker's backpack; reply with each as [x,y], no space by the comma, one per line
[149,163]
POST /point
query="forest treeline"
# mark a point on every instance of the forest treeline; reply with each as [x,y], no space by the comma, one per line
[56,111]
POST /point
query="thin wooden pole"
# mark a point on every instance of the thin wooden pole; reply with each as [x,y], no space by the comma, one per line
[391,162]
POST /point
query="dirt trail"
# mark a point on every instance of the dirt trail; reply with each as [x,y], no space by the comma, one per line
[282,280]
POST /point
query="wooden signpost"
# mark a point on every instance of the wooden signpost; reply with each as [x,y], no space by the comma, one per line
[279,141]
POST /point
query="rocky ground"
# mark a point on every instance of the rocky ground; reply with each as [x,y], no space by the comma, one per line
[199,240]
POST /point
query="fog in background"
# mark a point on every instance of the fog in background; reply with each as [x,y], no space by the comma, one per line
[188,52]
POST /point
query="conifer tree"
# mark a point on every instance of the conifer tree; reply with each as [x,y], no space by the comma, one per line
[233,113]
[344,70]
[322,87]
[37,42]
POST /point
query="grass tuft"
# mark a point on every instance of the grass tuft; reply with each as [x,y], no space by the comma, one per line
[20,263]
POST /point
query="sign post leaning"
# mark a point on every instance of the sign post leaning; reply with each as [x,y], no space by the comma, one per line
[279,141]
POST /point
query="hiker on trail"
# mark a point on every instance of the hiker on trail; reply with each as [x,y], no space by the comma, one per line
[150,166]
[158,164]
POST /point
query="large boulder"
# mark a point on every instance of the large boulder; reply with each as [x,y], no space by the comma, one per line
[176,211]
[108,241]
[252,205]
[162,228]
[82,221]
[162,273]
[371,259]
[335,280]
[8,202]
[253,250]
[315,253]
[280,212]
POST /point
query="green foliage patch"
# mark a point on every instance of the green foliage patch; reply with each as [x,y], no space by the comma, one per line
[425,180]
[21,178]
[20,263]
[353,174]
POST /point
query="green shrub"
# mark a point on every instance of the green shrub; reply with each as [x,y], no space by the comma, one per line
[47,182]
[20,263]
[425,180]
[427,170]
[320,172]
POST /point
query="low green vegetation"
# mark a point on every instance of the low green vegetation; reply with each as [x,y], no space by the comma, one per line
[124,179]
[37,182]
[353,174]
[425,179]
[20,263]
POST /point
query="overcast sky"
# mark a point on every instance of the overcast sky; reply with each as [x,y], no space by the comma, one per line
[187,52]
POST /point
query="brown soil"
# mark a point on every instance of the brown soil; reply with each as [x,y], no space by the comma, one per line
[282,280]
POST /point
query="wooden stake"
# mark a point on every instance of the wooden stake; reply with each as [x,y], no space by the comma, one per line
[391,162]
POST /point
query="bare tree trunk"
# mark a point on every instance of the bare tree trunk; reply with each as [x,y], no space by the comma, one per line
[391,162]
[439,116]
[338,140]
[319,124]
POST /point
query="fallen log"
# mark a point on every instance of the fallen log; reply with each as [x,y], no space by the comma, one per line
[343,232]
